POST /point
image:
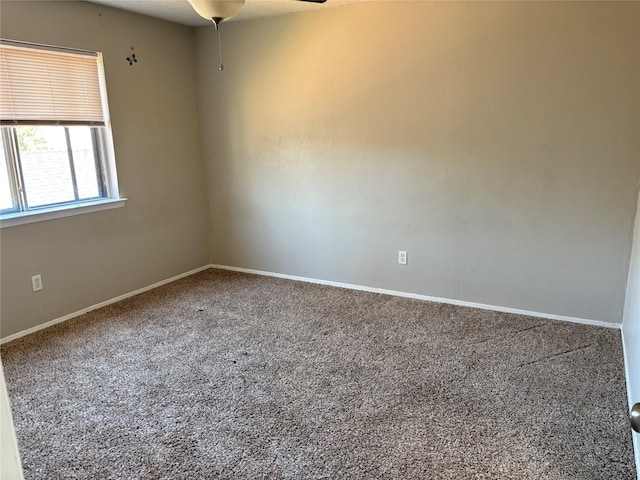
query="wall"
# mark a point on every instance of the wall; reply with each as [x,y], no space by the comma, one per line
[631,330]
[10,466]
[163,229]
[498,143]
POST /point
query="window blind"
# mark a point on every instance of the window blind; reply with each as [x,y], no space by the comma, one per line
[46,86]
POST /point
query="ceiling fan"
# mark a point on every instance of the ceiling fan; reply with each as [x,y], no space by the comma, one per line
[220,10]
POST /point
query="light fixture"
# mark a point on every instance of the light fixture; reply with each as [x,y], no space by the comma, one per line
[220,10]
[216,10]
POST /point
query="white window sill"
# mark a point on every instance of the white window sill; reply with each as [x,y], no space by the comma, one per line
[21,218]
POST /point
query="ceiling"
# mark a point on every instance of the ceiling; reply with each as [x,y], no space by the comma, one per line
[180,11]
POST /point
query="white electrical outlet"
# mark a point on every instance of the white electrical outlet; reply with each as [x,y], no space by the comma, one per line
[36,281]
[402,257]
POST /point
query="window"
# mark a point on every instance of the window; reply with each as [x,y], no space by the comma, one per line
[55,138]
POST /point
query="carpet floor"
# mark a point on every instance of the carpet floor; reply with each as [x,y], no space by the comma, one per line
[230,375]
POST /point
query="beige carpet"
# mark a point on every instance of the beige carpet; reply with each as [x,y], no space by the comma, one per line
[228,375]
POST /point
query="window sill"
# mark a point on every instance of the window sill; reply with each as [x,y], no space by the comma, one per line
[21,218]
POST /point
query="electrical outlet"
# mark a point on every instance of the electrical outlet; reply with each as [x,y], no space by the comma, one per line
[36,281]
[402,257]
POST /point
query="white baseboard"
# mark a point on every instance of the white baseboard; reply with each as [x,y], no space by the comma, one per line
[396,293]
[585,321]
[101,304]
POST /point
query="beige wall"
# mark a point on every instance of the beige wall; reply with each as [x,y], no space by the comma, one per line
[163,229]
[498,143]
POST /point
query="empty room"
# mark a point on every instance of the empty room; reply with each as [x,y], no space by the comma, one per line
[303,239]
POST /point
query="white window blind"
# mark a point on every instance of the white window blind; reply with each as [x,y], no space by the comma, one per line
[49,86]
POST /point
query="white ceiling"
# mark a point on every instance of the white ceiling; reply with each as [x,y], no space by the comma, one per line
[180,11]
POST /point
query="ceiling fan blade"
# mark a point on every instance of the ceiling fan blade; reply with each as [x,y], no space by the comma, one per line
[313,1]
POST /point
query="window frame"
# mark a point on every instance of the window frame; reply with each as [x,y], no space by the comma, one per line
[103,156]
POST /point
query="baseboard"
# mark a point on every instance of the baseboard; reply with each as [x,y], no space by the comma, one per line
[396,293]
[496,308]
[100,305]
